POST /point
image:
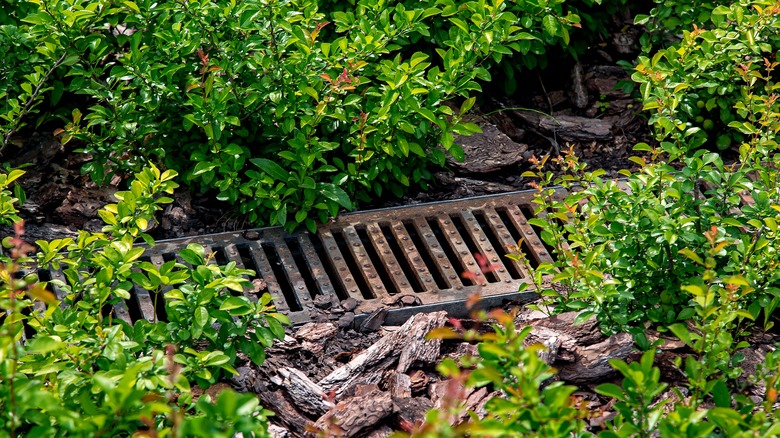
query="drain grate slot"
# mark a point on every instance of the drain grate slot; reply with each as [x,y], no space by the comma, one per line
[292,274]
[400,256]
[365,266]
[447,276]
[402,231]
[476,233]
[460,248]
[245,255]
[499,237]
[445,237]
[517,236]
[417,238]
[382,259]
[219,256]
[273,261]
[360,289]
[343,269]
[321,266]
[311,288]
[420,259]
[538,249]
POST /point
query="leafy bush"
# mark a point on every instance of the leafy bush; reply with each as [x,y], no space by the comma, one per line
[282,112]
[287,111]
[83,371]
[529,404]
[699,87]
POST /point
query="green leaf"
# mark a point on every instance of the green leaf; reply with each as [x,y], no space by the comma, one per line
[274,170]
[611,390]
[44,344]
[201,316]
[721,395]
[337,195]
[234,303]
[550,24]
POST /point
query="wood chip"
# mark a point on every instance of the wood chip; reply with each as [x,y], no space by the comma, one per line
[355,414]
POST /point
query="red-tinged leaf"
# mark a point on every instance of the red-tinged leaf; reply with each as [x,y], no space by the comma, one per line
[344,77]
[472,300]
[190,87]
[500,316]
[455,322]
[326,77]
[469,275]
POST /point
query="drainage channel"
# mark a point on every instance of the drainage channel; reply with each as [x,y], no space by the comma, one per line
[406,260]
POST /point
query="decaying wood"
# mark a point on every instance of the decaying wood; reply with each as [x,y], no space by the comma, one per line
[579,351]
[578,91]
[399,384]
[355,414]
[591,363]
[567,128]
[283,410]
[411,411]
[307,395]
[488,151]
[312,335]
[408,345]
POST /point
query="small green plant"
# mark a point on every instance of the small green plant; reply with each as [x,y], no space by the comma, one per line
[528,406]
[700,88]
[77,369]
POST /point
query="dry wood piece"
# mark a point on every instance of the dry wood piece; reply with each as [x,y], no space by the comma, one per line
[488,151]
[284,411]
[315,331]
[412,411]
[578,91]
[591,363]
[419,381]
[579,351]
[313,334]
[306,395]
[355,414]
[399,384]
[408,345]
[278,431]
[568,128]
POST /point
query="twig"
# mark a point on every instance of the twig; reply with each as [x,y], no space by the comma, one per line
[28,105]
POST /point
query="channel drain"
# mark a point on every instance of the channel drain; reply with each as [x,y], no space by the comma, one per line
[382,257]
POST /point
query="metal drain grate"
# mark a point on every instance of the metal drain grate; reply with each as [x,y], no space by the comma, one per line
[406,259]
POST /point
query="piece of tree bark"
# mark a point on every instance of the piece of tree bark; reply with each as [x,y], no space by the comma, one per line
[407,345]
[580,352]
[399,384]
[284,411]
[355,414]
[411,410]
[591,363]
[567,128]
[488,151]
[307,395]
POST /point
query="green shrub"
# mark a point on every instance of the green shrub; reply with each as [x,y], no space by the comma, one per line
[283,113]
[528,406]
[289,111]
[84,372]
[697,88]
